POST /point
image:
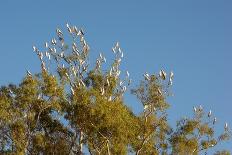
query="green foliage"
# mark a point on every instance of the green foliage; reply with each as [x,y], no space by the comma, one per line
[69,106]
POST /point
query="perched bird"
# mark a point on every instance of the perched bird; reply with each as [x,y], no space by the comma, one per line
[40,54]
[46,54]
[200,108]
[171,75]
[124,89]
[210,113]
[68,27]
[118,73]
[195,109]
[162,74]
[46,44]
[62,54]
[82,31]
[29,73]
[127,74]
[113,49]
[170,78]
[226,126]
[147,76]
[35,49]
[170,82]
[53,41]
[120,83]
[214,120]
[75,30]
[59,32]
[100,55]
[160,92]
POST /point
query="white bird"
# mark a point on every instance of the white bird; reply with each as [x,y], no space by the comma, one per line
[46,44]
[170,82]
[226,126]
[124,89]
[214,120]
[100,55]
[62,54]
[162,74]
[195,109]
[121,54]
[171,74]
[119,50]
[118,73]
[46,54]
[159,91]
[53,41]
[68,27]
[170,78]
[40,55]
[146,75]
[127,74]
[34,49]
[75,29]
[120,83]
[59,32]
[29,73]
[82,31]
[200,108]
[210,113]
[54,50]
[113,50]
[118,60]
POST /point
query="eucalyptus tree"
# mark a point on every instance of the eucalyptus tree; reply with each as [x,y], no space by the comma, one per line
[74,107]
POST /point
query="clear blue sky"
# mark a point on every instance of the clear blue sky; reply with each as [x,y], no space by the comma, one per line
[193,38]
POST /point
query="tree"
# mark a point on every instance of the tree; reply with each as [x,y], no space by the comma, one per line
[72,108]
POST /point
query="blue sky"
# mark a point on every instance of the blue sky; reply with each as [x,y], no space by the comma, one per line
[193,38]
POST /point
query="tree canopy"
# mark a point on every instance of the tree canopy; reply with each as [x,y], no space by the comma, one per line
[74,107]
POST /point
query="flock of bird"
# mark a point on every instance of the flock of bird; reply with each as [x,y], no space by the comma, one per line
[200,109]
[77,68]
